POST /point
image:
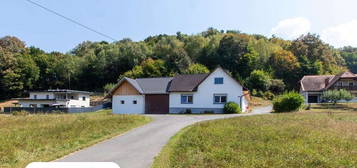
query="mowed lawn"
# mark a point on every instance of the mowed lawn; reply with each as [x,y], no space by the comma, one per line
[301,139]
[24,139]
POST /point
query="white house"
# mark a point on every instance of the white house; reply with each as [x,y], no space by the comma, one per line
[56,98]
[198,93]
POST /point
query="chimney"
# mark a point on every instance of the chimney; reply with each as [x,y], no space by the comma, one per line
[327,81]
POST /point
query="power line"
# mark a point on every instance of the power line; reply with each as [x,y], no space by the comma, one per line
[71,20]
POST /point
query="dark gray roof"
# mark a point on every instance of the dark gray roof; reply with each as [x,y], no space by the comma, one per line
[186,83]
[154,85]
[135,84]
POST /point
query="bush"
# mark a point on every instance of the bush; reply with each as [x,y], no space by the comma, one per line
[336,95]
[20,113]
[260,94]
[268,95]
[231,108]
[259,80]
[254,92]
[108,87]
[277,86]
[290,101]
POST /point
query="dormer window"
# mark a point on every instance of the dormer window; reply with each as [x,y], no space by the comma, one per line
[218,81]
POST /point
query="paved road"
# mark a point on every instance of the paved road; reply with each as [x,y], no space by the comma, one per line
[138,147]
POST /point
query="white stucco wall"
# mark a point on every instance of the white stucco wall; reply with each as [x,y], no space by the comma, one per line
[78,101]
[128,107]
[26,103]
[41,95]
[204,97]
[305,95]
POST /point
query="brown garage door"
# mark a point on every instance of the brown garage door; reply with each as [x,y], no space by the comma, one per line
[157,104]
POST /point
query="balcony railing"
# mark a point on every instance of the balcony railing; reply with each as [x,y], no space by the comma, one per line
[346,87]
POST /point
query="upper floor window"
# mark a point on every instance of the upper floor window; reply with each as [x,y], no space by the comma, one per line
[84,98]
[47,96]
[135,102]
[219,98]
[122,102]
[35,96]
[339,83]
[218,80]
[187,99]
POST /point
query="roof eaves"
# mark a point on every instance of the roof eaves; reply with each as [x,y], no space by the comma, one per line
[110,93]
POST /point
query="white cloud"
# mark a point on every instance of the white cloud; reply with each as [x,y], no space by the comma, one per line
[341,35]
[292,28]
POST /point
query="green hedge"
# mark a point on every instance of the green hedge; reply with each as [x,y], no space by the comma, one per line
[231,108]
[290,101]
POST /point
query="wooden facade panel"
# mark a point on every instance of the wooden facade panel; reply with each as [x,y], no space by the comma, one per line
[126,89]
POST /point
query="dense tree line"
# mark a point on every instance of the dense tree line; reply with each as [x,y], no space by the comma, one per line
[276,63]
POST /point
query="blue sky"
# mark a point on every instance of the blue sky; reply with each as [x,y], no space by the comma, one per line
[334,20]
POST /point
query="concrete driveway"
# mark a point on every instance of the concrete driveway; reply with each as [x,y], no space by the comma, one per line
[138,147]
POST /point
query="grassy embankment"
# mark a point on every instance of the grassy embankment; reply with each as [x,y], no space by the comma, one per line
[320,137]
[24,139]
[257,102]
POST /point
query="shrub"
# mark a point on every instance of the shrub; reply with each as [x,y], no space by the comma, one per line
[231,108]
[254,92]
[260,94]
[20,113]
[108,87]
[277,86]
[259,80]
[336,95]
[268,95]
[290,101]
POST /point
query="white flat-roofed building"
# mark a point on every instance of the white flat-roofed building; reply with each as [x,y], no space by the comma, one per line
[56,98]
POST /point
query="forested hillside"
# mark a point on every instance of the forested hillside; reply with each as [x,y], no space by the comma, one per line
[261,63]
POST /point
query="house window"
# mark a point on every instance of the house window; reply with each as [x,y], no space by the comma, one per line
[218,81]
[84,98]
[219,98]
[351,83]
[72,97]
[339,83]
[47,96]
[135,102]
[35,96]
[187,99]
[122,101]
